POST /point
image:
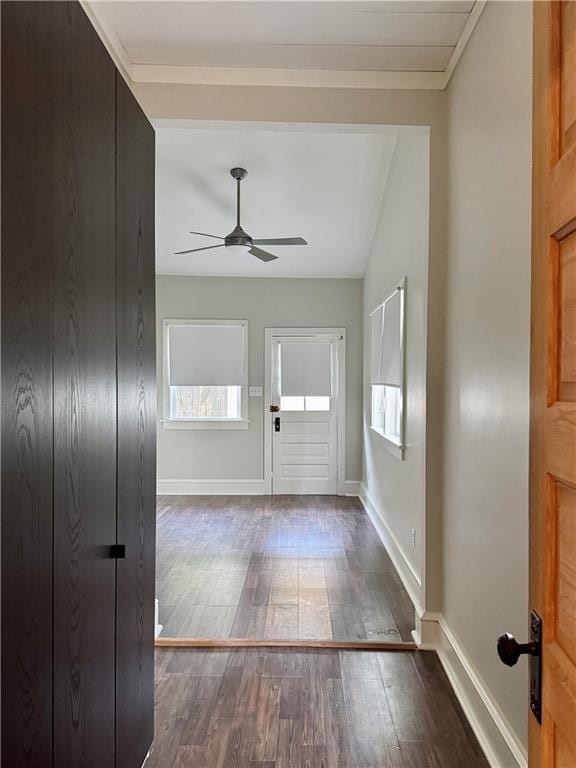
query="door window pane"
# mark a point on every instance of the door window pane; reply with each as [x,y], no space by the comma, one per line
[291,403]
[317,403]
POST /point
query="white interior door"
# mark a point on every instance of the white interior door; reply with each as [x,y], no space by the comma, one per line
[305,392]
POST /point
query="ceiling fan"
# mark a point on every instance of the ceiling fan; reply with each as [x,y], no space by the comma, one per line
[239,241]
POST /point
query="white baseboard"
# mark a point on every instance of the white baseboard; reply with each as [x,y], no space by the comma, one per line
[404,568]
[351,488]
[211,487]
[232,487]
[496,736]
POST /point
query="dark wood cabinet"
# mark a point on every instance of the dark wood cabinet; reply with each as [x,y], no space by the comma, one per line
[78,398]
[136,344]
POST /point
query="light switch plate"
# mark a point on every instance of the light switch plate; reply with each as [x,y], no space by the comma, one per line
[255,391]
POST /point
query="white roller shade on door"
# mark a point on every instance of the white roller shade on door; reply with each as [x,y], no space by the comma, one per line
[306,369]
[206,355]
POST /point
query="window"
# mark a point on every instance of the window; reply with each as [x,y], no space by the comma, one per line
[387,369]
[386,411]
[205,402]
[205,374]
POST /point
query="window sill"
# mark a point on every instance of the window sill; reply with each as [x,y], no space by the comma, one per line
[389,443]
[204,423]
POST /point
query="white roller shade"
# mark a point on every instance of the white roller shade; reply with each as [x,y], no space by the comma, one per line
[386,342]
[376,344]
[391,361]
[206,355]
[306,369]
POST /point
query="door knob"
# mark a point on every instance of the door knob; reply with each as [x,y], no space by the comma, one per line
[274,408]
[510,650]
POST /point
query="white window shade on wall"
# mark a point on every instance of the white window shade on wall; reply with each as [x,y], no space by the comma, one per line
[387,341]
[391,363]
[206,355]
[306,369]
[376,344]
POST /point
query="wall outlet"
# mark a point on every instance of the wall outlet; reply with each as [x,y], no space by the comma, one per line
[255,391]
[413,537]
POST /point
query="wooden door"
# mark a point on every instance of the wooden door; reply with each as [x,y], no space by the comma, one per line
[553,387]
[136,320]
[84,375]
[305,428]
[27,48]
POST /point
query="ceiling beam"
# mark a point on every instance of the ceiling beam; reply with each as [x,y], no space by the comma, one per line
[291,78]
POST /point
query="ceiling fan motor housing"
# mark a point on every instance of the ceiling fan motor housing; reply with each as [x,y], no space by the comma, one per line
[238,237]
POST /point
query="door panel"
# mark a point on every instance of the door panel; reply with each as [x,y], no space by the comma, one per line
[84,393]
[553,380]
[136,321]
[304,453]
[27,48]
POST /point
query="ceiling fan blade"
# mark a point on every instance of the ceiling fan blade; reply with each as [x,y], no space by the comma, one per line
[195,250]
[262,255]
[282,241]
[205,234]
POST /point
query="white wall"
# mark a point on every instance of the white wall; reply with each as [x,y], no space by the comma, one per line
[485,528]
[400,249]
[265,303]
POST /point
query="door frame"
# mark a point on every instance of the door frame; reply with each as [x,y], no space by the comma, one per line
[269,334]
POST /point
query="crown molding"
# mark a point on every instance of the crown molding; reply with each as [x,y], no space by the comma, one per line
[110,39]
[466,34]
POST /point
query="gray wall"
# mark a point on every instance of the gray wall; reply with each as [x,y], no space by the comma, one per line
[400,249]
[265,303]
[487,349]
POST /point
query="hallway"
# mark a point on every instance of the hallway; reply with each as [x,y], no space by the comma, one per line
[308,709]
[276,567]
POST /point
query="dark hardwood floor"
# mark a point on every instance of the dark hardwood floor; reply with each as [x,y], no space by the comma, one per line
[276,567]
[254,708]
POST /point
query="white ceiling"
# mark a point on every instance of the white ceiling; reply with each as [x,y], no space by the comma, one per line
[348,36]
[318,182]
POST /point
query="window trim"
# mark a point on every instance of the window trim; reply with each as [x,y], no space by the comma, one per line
[206,423]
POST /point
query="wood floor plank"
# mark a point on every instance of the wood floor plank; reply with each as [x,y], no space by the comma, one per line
[308,709]
[282,621]
[223,562]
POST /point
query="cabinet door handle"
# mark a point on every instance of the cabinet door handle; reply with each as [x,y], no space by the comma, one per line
[118,551]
